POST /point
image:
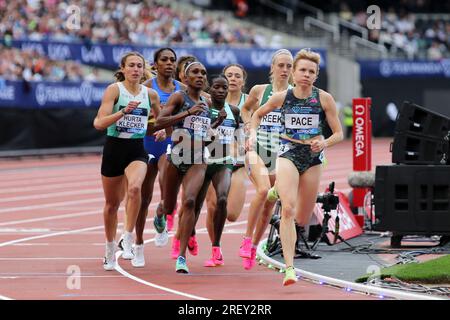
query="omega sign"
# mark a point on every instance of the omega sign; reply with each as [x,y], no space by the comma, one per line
[361,134]
[359,130]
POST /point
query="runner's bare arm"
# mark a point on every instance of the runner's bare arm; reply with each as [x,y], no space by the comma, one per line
[251,104]
[329,107]
[105,117]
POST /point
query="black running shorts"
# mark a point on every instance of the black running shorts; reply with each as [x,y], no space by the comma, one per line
[118,153]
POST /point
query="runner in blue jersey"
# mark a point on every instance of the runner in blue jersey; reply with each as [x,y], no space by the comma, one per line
[189,115]
[304,111]
[124,112]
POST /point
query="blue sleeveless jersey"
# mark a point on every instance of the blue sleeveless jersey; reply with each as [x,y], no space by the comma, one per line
[154,148]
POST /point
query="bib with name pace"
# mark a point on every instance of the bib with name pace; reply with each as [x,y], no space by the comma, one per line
[302,118]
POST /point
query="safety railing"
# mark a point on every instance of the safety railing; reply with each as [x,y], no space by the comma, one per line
[307,7]
[282,9]
[310,21]
[356,41]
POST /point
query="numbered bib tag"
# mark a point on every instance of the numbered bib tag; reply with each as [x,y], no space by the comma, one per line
[134,122]
[271,120]
[225,134]
[197,124]
[284,147]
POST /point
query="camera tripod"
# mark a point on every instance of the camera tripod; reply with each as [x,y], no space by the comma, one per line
[329,202]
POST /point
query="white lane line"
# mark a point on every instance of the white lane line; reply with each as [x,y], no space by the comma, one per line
[51,205]
[149,284]
[62,216]
[99,211]
[24,230]
[132,277]
[49,258]
[50,186]
[345,284]
[66,203]
[119,269]
[51,167]
[27,178]
[53,195]
[62,233]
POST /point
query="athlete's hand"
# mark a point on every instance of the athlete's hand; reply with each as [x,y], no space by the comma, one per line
[222,115]
[198,108]
[131,106]
[160,135]
[318,145]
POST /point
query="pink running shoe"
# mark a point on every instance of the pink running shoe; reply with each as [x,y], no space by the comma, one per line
[193,245]
[170,219]
[251,262]
[216,258]
[245,249]
[175,248]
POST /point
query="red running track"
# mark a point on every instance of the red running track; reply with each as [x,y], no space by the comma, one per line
[51,225]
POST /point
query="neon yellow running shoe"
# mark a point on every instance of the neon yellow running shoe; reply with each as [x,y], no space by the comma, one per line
[180,266]
[272,195]
[289,276]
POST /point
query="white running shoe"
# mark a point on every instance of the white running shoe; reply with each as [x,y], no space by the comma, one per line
[126,244]
[161,239]
[109,262]
[139,259]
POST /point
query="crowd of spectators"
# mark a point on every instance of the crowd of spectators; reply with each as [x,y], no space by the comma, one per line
[416,37]
[118,22]
[410,28]
[28,65]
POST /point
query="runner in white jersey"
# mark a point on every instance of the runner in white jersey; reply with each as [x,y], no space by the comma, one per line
[261,161]
[124,112]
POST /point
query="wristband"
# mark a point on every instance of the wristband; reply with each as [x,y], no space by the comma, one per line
[123,111]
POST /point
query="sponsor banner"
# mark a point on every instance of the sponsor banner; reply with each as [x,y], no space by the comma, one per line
[361,143]
[404,68]
[28,95]
[108,56]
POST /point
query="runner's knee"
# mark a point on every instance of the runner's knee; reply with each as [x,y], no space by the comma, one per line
[287,211]
[111,207]
[134,191]
[222,203]
[189,203]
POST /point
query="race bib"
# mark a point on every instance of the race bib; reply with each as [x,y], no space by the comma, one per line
[302,121]
[284,147]
[225,134]
[134,123]
[272,119]
[197,124]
